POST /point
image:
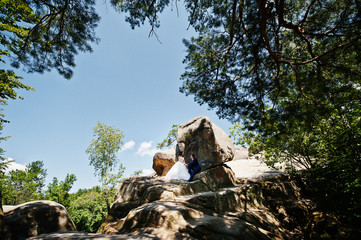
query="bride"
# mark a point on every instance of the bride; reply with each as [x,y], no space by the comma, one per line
[179,170]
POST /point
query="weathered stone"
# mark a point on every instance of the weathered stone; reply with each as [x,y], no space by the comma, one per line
[86,236]
[215,205]
[34,218]
[217,177]
[174,220]
[240,153]
[207,141]
[326,226]
[163,161]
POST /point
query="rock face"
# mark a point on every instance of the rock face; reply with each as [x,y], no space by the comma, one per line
[216,205]
[163,161]
[34,218]
[240,153]
[207,141]
[84,236]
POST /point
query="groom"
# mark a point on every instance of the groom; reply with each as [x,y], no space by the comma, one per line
[193,167]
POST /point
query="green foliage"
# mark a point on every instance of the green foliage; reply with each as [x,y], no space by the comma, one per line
[59,191]
[23,186]
[9,81]
[170,139]
[4,164]
[87,209]
[103,157]
[45,35]
[137,173]
[20,186]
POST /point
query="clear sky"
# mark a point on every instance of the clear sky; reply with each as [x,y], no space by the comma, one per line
[130,82]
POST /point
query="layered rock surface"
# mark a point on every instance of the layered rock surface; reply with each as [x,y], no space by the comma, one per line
[238,199]
[34,218]
[216,205]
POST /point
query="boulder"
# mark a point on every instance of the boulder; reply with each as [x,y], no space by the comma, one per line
[240,153]
[163,161]
[217,177]
[207,141]
[34,218]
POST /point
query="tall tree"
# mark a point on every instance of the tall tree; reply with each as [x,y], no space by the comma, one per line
[103,157]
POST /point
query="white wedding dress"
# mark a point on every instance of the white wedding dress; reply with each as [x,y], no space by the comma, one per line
[178,171]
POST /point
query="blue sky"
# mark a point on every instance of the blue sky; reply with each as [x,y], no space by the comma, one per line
[130,82]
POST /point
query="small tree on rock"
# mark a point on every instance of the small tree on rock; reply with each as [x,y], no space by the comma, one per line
[103,157]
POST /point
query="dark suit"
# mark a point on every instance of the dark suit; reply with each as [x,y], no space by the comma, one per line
[193,168]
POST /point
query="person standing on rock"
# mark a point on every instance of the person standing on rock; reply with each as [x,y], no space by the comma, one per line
[193,167]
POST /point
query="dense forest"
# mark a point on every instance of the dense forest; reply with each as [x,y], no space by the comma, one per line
[286,72]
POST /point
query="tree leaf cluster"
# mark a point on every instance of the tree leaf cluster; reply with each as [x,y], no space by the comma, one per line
[19,186]
[87,209]
[170,139]
[58,191]
[42,35]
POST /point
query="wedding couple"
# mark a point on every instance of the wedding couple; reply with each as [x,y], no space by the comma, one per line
[181,170]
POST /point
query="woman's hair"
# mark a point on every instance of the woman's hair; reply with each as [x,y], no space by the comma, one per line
[194,156]
[180,153]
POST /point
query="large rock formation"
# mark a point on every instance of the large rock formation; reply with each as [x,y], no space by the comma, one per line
[207,141]
[34,218]
[199,136]
[164,160]
[215,205]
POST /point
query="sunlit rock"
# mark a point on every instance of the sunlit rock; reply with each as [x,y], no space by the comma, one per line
[34,218]
[211,145]
[163,161]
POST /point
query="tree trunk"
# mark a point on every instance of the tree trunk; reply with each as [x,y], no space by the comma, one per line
[107,199]
[1,205]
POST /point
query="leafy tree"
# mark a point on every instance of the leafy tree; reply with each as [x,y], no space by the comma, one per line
[87,209]
[24,186]
[103,157]
[59,191]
